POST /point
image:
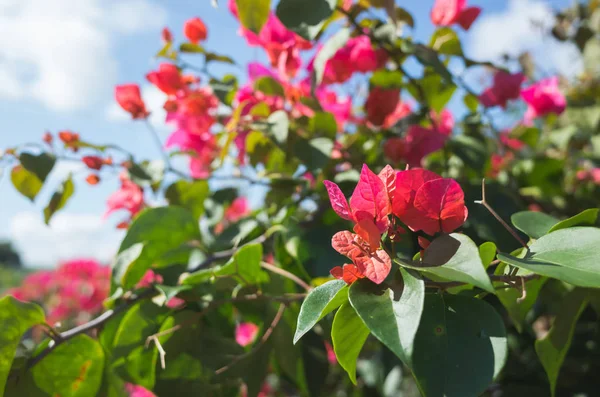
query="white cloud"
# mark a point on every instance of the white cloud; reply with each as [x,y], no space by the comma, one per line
[69,236]
[523,26]
[59,52]
[154,100]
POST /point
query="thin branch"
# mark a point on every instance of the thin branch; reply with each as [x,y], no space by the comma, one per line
[260,343]
[163,152]
[161,351]
[498,218]
[286,274]
[494,278]
[523,291]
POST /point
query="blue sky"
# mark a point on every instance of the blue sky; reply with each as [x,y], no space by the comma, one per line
[59,62]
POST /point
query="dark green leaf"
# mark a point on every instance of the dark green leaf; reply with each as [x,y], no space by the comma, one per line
[404,16]
[305,17]
[269,86]
[253,14]
[429,57]
[315,154]
[191,48]
[148,173]
[349,334]
[587,217]
[211,57]
[460,346]
[320,302]
[161,230]
[323,124]
[41,164]
[26,183]
[331,46]
[553,348]
[533,224]
[188,194]
[570,255]
[59,198]
[392,315]
[16,317]
[470,150]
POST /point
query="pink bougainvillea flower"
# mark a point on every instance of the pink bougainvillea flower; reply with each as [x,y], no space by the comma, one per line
[167,78]
[420,142]
[402,110]
[129,97]
[137,391]
[444,122]
[129,197]
[395,149]
[331,357]
[238,209]
[195,30]
[381,103]
[506,87]
[246,333]
[511,143]
[148,279]
[542,98]
[374,264]
[449,12]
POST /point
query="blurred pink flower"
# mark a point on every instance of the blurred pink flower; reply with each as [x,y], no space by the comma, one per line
[506,87]
[167,78]
[238,209]
[148,279]
[449,12]
[138,391]
[246,333]
[542,98]
[331,357]
[129,197]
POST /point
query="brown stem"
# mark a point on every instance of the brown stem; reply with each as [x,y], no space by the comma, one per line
[498,278]
[286,274]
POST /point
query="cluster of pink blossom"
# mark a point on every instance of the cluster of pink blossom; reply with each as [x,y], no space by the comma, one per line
[129,197]
[74,292]
[238,209]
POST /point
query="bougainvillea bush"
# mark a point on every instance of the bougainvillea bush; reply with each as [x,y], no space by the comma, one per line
[400,248]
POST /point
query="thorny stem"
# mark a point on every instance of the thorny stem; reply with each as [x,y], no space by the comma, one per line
[502,222]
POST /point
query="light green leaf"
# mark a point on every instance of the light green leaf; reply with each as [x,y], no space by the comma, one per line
[331,46]
[253,14]
[570,255]
[445,41]
[349,334]
[534,224]
[305,17]
[59,198]
[323,124]
[188,194]
[460,346]
[553,348]
[320,302]
[269,86]
[191,48]
[245,265]
[280,125]
[587,217]
[26,183]
[16,318]
[487,253]
[161,230]
[392,315]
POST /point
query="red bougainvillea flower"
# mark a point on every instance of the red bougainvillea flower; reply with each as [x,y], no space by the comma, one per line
[93,162]
[380,104]
[166,35]
[499,162]
[246,333]
[70,139]
[511,143]
[542,98]
[349,273]
[372,264]
[129,97]
[92,179]
[449,12]
[167,78]
[506,87]
[195,30]
[402,110]
[129,197]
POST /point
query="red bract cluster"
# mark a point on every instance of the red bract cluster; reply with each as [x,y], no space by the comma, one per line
[73,292]
[129,97]
[195,30]
[421,199]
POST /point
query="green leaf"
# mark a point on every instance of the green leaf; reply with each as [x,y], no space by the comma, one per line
[553,348]
[59,198]
[188,194]
[161,230]
[269,86]
[253,14]
[245,264]
[392,315]
[427,57]
[280,125]
[587,217]
[470,150]
[26,183]
[16,317]
[464,264]
[349,334]
[570,255]
[191,48]
[41,164]
[211,57]
[460,346]
[445,41]
[387,79]
[315,154]
[534,224]
[487,253]
[591,57]
[323,124]
[471,102]
[74,369]
[320,302]
[148,173]
[305,17]
[331,46]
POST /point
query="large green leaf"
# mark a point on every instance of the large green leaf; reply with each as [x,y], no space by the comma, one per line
[464,265]
[39,164]
[305,17]
[161,230]
[586,217]
[349,334]
[331,46]
[460,346]
[320,302]
[16,317]
[253,14]
[188,194]
[73,369]
[392,314]
[553,348]
[26,182]
[570,255]
[245,265]
[59,198]
[534,224]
